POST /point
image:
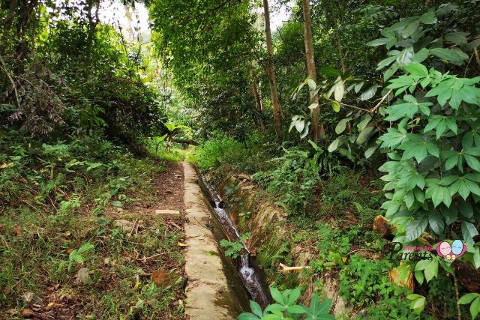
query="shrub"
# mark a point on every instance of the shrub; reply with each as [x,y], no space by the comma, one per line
[292,180]
[219,149]
[365,281]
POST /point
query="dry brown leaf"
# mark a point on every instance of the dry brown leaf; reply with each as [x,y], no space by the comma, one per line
[28,313]
[160,278]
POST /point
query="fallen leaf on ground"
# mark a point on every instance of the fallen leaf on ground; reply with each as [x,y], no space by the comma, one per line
[6,165]
[125,225]
[27,313]
[160,278]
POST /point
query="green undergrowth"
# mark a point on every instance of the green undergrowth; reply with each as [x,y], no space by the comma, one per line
[352,256]
[166,151]
[330,211]
[225,152]
[76,236]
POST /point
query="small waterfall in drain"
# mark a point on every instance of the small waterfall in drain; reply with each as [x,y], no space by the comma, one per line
[252,282]
[248,274]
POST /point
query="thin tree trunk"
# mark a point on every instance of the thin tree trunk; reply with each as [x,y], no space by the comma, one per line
[258,104]
[316,130]
[340,50]
[277,108]
[256,94]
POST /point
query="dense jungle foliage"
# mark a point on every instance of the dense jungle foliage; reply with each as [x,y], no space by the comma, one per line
[348,114]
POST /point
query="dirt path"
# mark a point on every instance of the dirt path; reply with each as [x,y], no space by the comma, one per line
[169,188]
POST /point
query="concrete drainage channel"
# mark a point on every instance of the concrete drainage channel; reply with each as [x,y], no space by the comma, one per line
[216,289]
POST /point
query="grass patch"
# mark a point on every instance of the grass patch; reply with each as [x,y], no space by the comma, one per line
[170,153]
[250,155]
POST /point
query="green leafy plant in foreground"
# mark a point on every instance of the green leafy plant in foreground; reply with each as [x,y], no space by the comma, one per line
[285,307]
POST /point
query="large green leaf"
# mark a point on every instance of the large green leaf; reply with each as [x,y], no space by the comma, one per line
[441,124]
[342,125]
[365,134]
[415,228]
[429,17]
[392,138]
[475,308]
[277,295]
[369,93]
[386,62]
[468,298]
[339,90]
[460,186]
[293,296]
[377,42]
[370,151]
[455,55]
[256,309]
[472,162]
[334,145]
[435,220]
[468,231]
[439,194]
[415,147]
[458,38]
[417,69]
[431,270]
[401,110]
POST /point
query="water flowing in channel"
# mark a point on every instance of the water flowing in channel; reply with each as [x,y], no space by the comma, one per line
[249,276]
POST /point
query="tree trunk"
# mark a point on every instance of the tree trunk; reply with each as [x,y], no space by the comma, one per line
[258,104]
[316,130]
[277,108]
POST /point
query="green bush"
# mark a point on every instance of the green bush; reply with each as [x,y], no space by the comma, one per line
[46,172]
[433,170]
[292,180]
[217,150]
[365,281]
[220,150]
